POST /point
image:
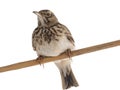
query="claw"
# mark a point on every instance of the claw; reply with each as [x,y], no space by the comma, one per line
[68,52]
[39,59]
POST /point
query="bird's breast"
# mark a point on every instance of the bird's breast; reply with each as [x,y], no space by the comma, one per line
[55,47]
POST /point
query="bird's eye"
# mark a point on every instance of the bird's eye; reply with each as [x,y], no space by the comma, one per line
[48,14]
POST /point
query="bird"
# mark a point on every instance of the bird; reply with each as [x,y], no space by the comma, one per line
[51,38]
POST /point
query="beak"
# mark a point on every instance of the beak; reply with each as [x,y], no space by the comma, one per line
[36,12]
[39,17]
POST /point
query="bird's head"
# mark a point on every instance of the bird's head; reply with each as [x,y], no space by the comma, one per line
[46,18]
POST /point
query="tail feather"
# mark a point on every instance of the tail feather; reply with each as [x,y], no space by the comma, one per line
[68,80]
[67,76]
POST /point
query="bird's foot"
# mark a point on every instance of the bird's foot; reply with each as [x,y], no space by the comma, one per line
[68,52]
[40,59]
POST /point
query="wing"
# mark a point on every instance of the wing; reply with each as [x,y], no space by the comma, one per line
[68,34]
[34,39]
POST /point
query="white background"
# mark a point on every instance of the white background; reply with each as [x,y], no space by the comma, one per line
[90,21]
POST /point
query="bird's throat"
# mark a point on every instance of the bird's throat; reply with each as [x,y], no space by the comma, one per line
[41,21]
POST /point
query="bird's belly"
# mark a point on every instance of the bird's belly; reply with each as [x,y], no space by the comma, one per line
[54,48]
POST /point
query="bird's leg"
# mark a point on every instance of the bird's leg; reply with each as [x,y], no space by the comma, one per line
[68,52]
[39,59]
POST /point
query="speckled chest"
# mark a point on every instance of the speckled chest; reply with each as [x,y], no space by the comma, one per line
[51,41]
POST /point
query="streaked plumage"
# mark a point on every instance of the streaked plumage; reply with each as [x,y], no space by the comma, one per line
[52,38]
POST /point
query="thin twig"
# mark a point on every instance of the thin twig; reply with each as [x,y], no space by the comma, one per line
[62,56]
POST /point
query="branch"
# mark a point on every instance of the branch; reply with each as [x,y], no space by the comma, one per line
[62,56]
